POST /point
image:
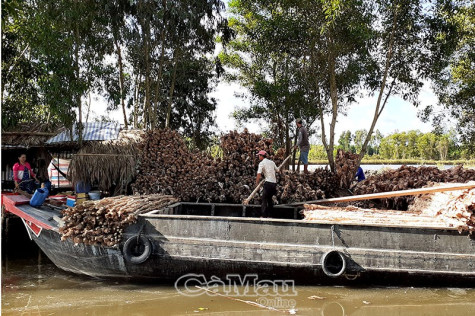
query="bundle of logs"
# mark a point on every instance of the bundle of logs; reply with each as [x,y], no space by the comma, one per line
[456,208]
[102,222]
[169,167]
[346,165]
[408,177]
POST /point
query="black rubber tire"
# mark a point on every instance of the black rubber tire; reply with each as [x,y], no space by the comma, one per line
[330,256]
[131,244]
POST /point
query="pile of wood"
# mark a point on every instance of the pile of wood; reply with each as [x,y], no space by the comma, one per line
[346,165]
[296,187]
[456,208]
[452,209]
[102,222]
[169,167]
[408,177]
[236,171]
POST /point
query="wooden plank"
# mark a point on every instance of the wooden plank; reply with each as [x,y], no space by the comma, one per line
[384,195]
[25,133]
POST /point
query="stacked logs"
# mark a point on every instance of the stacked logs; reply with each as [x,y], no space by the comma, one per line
[456,208]
[440,209]
[346,165]
[102,222]
[408,177]
[169,167]
[297,187]
[236,171]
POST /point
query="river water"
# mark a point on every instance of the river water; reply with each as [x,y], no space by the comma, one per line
[29,288]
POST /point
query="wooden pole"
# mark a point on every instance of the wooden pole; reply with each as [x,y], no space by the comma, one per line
[246,201]
[384,195]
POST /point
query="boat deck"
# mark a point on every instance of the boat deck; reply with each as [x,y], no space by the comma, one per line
[44,216]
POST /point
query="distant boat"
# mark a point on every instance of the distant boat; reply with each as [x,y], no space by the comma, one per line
[218,239]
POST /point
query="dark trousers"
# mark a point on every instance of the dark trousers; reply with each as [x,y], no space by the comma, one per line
[270,189]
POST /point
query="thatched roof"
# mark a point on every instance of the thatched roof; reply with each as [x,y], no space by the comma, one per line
[110,164]
[27,135]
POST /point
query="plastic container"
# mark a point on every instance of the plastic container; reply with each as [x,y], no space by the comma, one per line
[71,202]
[95,195]
[39,197]
[47,185]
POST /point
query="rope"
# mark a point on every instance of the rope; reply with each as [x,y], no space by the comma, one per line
[333,238]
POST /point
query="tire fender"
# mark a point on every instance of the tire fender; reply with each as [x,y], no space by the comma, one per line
[137,249]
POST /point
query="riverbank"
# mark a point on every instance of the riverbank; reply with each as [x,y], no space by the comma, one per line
[465,163]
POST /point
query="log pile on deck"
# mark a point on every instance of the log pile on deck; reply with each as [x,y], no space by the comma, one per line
[408,177]
[169,167]
[437,210]
[346,165]
[102,222]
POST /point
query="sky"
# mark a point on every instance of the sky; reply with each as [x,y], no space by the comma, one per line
[399,115]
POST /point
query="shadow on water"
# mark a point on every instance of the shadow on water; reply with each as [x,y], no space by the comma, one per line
[32,285]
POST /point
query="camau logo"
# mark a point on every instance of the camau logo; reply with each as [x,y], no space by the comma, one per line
[234,285]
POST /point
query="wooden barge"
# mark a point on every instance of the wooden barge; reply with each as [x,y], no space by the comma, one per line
[218,239]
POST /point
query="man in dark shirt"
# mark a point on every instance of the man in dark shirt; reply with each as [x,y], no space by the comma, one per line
[303,144]
[360,174]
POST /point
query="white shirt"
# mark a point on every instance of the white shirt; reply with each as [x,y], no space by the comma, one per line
[268,168]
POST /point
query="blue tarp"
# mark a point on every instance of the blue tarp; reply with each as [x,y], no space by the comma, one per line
[91,131]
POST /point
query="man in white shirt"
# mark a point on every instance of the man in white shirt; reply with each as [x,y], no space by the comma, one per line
[267,168]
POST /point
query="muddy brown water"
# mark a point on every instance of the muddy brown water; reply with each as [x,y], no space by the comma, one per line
[29,288]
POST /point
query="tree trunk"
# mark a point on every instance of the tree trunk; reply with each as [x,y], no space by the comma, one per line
[121,81]
[157,97]
[334,101]
[76,93]
[379,108]
[136,99]
[172,90]
[145,25]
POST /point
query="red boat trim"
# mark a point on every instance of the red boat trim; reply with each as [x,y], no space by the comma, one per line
[33,227]
[10,203]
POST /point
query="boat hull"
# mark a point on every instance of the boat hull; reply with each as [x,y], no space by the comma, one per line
[271,248]
[228,239]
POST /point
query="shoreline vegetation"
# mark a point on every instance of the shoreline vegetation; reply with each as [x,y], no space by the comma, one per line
[401,162]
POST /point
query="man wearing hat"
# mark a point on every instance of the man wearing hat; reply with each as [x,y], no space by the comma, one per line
[303,144]
[267,168]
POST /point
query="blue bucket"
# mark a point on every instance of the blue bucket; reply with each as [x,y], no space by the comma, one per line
[39,197]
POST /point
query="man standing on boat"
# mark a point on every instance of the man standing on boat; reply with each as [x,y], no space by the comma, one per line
[303,144]
[267,168]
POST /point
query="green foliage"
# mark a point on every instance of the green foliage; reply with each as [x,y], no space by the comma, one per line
[152,56]
[454,76]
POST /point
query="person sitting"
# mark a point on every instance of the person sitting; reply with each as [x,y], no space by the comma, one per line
[360,174]
[23,175]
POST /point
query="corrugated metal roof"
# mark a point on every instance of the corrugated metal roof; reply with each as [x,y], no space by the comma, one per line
[92,131]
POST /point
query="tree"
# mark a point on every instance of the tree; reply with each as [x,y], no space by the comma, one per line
[21,72]
[453,29]
[375,142]
[427,146]
[344,142]
[265,59]
[360,136]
